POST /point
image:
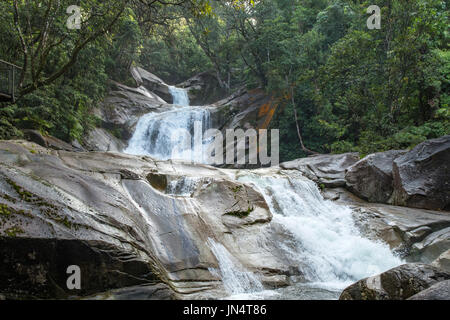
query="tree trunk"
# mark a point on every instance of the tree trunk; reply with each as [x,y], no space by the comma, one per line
[298,127]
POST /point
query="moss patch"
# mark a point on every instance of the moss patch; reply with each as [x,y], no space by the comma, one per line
[239,213]
[13,231]
[8,198]
[236,189]
[24,194]
[48,209]
[6,211]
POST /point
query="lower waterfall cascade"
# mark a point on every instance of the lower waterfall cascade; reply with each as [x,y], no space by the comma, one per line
[235,278]
[328,247]
[323,240]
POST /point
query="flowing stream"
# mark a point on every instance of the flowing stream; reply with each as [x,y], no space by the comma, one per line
[175,133]
[328,248]
[321,237]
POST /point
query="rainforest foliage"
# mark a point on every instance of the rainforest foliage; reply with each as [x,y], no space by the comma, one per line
[342,86]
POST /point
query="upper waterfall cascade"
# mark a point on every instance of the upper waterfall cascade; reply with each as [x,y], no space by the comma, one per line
[163,135]
[179,96]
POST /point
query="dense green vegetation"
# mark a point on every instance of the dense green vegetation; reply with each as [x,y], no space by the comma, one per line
[66,71]
[350,88]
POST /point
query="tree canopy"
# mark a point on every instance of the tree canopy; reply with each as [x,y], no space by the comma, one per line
[342,86]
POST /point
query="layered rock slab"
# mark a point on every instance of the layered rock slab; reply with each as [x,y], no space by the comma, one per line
[131,232]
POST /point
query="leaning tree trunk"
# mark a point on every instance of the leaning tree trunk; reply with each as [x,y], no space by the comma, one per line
[302,145]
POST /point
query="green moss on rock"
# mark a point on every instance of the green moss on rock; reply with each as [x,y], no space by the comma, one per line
[13,231]
[5,211]
[239,213]
[50,210]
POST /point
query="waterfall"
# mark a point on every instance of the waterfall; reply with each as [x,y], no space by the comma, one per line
[179,95]
[328,247]
[320,236]
[183,187]
[236,279]
[171,134]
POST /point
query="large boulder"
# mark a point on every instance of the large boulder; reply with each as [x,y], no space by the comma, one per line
[327,170]
[398,283]
[443,261]
[244,109]
[432,246]
[119,113]
[438,291]
[100,139]
[422,176]
[203,88]
[371,177]
[124,104]
[152,83]
[50,141]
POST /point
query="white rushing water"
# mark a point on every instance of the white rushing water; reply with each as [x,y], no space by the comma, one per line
[176,133]
[180,96]
[236,279]
[183,187]
[328,247]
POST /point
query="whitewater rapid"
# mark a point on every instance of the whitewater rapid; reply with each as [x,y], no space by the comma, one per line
[328,247]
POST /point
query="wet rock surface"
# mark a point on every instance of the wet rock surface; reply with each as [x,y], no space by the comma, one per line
[147,223]
[415,234]
[438,291]
[203,88]
[151,82]
[371,177]
[98,211]
[327,170]
[399,283]
[422,176]
[443,261]
[139,228]
[119,114]
[143,292]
